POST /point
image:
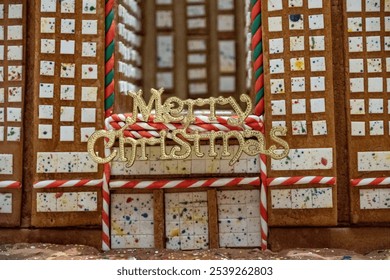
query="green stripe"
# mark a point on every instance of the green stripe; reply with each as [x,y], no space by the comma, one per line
[109,101]
[258,72]
[258,51]
[256,23]
[110,50]
[253,2]
[109,20]
[259,95]
[109,78]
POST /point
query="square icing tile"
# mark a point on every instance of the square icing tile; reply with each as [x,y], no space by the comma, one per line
[68,6]
[47,162]
[384,198]
[196,45]
[14,94]
[376,127]
[281,199]
[358,128]
[356,65]
[89,94]
[1,74]
[15,73]
[355,24]
[68,26]
[275,24]
[2,114]
[278,107]
[48,6]
[1,11]
[317,43]
[298,84]
[46,90]
[314,4]
[67,202]
[373,5]
[222,4]
[196,59]
[15,32]
[298,106]
[375,84]
[354,5]
[1,52]
[373,24]
[316,22]
[225,23]
[295,3]
[317,64]
[6,164]
[68,70]
[373,43]
[14,114]
[297,64]
[227,83]
[355,44]
[46,202]
[85,133]
[273,5]
[1,95]
[193,74]
[47,68]
[357,107]
[15,11]
[45,131]
[48,46]
[89,27]
[165,80]
[87,201]
[67,114]
[317,105]
[299,127]
[387,23]
[67,92]
[387,43]
[89,49]
[369,199]
[276,46]
[301,199]
[295,21]
[13,134]
[322,197]
[67,47]
[89,6]
[319,128]
[88,115]
[48,25]
[46,112]
[165,51]
[276,66]
[89,71]
[317,83]
[164,19]
[66,133]
[387,6]
[375,106]
[297,43]
[277,86]
[356,84]
[196,11]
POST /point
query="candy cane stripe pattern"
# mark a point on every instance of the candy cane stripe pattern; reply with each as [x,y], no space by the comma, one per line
[263,202]
[48,184]
[286,181]
[109,58]
[10,185]
[184,184]
[370,182]
[106,208]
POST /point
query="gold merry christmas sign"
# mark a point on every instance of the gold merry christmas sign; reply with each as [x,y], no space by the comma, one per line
[182,112]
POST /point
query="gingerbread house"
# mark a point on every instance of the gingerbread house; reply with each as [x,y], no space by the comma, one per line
[319,68]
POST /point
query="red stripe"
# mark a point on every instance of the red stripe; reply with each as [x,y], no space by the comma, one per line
[108,112]
[259,83]
[15,185]
[106,239]
[109,6]
[110,64]
[259,109]
[110,35]
[258,62]
[109,90]
[256,39]
[256,9]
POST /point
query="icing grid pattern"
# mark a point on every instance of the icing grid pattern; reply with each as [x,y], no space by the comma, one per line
[12,59]
[71,75]
[367,49]
[129,59]
[165,46]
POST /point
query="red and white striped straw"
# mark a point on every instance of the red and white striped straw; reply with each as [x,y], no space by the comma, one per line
[370,182]
[67,183]
[10,185]
[301,180]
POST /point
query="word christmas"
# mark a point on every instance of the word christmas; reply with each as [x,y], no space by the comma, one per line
[181,114]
